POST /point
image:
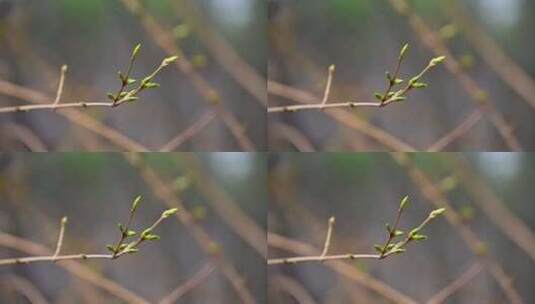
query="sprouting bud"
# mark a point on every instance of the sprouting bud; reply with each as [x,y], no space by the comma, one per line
[167,61]
[332,68]
[378,248]
[418,237]
[379,96]
[151,85]
[132,250]
[398,81]
[136,51]
[111,96]
[388,76]
[419,85]
[332,220]
[64,220]
[388,228]
[130,233]
[136,202]
[403,202]
[121,227]
[110,248]
[436,212]
[403,51]
[130,81]
[64,68]
[398,250]
[398,233]
[167,213]
[151,237]
[437,60]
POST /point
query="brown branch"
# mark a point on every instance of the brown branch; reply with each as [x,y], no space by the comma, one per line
[194,281]
[25,135]
[435,196]
[466,125]
[344,269]
[166,195]
[200,124]
[292,287]
[346,118]
[224,205]
[72,266]
[292,135]
[503,65]
[495,209]
[223,52]
[457,284]
[32,107]
[72,115]
[165,40]
[431,40]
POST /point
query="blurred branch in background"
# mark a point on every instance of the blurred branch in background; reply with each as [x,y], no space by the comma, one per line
[165,40]
[23,45]
[491,264]
[177,267]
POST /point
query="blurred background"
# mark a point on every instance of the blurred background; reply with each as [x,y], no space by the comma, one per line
[218,191]
[490,194]
[224,41]
[490,41]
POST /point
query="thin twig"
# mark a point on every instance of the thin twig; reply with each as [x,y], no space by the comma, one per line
[33,107]
[295,108]
[328,237]
[60,236]
[60,85]
[345,117]
[327,91]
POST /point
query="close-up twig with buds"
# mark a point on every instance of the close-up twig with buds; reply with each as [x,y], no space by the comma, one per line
[120,249]
[384,251]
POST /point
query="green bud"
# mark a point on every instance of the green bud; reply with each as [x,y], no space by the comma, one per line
[64,220]
[136,202]
[388,228]
[151,237]
[398,233]
[151,85]
[110,248]
[379,96]
[167,213]
[111,96]
[130,233]
[398,81]
[437,60]
[419,85]
[436,212]
[398,250]
[121,227]
[135,52]
[403,202]
[418,237]
[388,76]
[403,51]
[167,61]
[130,81]
[378,248]
[132,250]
